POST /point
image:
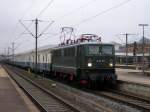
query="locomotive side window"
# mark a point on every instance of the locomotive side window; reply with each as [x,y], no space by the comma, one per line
[57,53]
[62,52]
[79,51]
[66,52]
[70,52]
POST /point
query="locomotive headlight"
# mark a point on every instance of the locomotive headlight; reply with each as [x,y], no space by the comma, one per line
[89,64]
[110,64]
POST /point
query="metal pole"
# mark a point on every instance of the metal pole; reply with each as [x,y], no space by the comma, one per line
[126,49]
[143,51]
[13,44]
[36,40]
[143,45]
[36,37]
[135,54]
[126,34]
[8,54]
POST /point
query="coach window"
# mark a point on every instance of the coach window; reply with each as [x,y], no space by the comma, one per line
[33,59]
[29,58]
[46,57]
[38,57]
[43,58]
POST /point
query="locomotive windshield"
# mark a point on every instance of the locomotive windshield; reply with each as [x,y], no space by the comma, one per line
[100,49]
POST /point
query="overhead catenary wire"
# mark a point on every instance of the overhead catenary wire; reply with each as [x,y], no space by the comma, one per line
[92,17]
[16,25]
[69,13]
[121,40]
[20,35]
[76,10]
[21,43]
[98,14]
[45,29]
[103,12]
[83,7]
[42,11]
[26,28]
[45,8]
[24,13]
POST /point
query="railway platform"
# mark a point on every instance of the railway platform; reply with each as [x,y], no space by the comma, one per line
[12,97]
[132,75]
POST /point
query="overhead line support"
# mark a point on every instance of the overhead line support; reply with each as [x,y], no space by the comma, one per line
[126,35]
[143,45]
[36,39]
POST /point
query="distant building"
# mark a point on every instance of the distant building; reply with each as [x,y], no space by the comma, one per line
[139,45]
[138,48]
[117,46]
[134,51]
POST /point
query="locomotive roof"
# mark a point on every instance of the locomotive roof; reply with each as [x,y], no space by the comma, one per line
[84,43]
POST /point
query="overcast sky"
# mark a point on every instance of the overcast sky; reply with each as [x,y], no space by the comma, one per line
[122,19]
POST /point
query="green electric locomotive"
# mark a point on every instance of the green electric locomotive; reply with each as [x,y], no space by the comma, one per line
[87,62]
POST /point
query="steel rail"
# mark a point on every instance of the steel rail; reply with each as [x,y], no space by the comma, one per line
[40,106]
[23,72]
[126,98]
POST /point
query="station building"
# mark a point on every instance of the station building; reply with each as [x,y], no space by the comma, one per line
[135,53]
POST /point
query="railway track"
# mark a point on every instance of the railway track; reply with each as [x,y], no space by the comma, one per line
[129,99]
[125,98]
[46,101]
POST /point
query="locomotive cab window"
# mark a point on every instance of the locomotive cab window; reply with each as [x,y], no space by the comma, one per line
[107,50]
[100,50]
[93,49]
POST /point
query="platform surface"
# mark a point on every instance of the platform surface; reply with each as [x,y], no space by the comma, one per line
[133,76]
[10,99]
